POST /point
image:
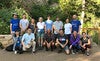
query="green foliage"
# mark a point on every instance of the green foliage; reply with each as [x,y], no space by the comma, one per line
[95,38]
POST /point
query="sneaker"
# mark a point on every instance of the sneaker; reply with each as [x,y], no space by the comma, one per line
[87,54]
[33,52]
[73,52]
[15,52]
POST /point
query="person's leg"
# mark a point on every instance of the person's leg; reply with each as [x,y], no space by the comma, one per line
[42,35]
[45,45]
[52,46]
[39,38]
[88,50]
[33,45]
[66,50]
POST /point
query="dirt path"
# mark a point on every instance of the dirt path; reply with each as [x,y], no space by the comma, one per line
[50,56]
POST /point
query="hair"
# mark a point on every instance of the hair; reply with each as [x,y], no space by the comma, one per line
[83,33]
[62,30]
[17,31]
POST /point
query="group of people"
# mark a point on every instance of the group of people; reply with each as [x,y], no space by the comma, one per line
[49,35]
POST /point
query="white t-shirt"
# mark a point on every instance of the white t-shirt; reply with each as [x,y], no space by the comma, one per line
[40,25]
[67,28]
[24,23]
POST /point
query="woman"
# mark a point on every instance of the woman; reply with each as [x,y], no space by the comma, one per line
[68,29]
[17,48]
[85,43]
[49,40]
[32,25]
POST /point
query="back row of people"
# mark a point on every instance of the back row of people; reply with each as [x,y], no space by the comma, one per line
[49,33]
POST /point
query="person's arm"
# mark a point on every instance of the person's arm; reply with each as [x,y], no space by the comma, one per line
[71,28]
[77,40]
[22,41]
[27,25]
[79,27]
[66,42]
[89,42]
[20,25]
[10,28]
[58,42]
[34,28]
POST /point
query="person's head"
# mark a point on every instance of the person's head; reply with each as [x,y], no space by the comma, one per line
[61,32]
[48,31]
[57,18]
[17,33]
[84,34]
[48,17]
[29,31]
[24,16]
[40,19]
[15,15]
[67,20]
[75,33]
[32,20]
[74,16]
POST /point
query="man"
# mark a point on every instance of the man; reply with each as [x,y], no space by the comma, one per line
[28,40]
[14,24]
[24,23]
[57,26]
[76,24]
[40,34]
[49,24]
[62,42]
[74,42]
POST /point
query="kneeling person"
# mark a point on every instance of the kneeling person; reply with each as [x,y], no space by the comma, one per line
[28,40]
[49,40]
[85,44]
[62,42]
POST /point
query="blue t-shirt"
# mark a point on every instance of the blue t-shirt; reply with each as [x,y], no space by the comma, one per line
[15,24]
[18,43]
[49,24]
[75,25]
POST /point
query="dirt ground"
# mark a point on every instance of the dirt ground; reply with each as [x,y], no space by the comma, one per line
[49,56]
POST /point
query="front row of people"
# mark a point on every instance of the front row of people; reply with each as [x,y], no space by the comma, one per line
[62,43]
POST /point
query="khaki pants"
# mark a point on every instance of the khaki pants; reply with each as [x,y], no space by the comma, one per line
[32,43]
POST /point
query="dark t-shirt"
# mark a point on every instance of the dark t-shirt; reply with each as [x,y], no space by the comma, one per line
[62,39]
[84,40]
[32,27]
[49,38]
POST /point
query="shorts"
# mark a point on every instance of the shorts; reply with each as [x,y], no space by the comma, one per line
[40,35]
[66,48]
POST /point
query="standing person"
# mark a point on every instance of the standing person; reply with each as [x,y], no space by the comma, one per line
[24,23]
[32,25]
[40,29]
[75,42]
[57,26]
[28,40]
[68,29]
[85,43]
[76,24]
[17,47]
[62,42]
[49,24]
[49,40]
[14,24]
